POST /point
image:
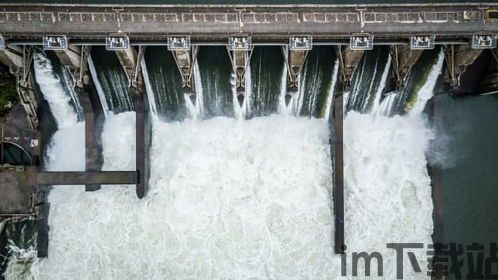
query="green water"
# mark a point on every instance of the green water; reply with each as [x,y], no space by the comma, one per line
[470,203]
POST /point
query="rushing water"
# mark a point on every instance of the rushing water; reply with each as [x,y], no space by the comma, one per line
[238,199]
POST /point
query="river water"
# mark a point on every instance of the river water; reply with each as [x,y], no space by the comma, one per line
[248,196]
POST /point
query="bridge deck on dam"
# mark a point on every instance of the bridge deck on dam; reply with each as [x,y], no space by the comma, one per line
[322,21]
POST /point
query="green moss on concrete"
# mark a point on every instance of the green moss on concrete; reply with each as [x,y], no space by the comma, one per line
[8,94]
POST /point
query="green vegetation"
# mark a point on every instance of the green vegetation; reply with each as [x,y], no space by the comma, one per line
[8,94]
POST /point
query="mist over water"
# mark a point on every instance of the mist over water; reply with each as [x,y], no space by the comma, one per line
[241,199]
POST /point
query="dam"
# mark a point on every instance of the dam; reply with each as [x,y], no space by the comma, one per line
[143,64]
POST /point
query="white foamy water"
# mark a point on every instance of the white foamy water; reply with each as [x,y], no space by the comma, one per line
[241,201]
[387,188]
[233,199]
[427,90]
[53,91]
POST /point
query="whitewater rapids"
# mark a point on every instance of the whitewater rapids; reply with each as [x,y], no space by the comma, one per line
[232,199]
[228,199]
[242,200]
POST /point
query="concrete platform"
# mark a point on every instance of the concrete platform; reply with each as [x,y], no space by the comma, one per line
[215,22]
[16,191]
[87,178]
[18,185]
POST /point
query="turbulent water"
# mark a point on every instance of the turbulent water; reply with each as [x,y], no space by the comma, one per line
[53,87]
[239,199]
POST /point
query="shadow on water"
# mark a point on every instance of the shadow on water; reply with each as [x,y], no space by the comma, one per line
[166,83]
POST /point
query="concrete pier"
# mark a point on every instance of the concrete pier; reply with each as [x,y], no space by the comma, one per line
[42,229]
[349,60]
[458,58]
[240,61]
[338,163]
[185,60]
[131,62]
[143,138]
[92,151]
[70,57]
[402,59]
[294,60]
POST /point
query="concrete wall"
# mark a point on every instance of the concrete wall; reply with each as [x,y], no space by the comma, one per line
[31,22]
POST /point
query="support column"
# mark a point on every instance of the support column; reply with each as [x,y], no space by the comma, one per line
[294,59]
[402,59]
[70,57]
[457,58]
[131,61]
[185,60]
[240,60]
[338,164]
[143,133]
[42,229]
[349,60]
[75,59]
[93,160]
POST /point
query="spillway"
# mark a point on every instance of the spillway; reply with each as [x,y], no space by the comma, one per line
[239,199]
